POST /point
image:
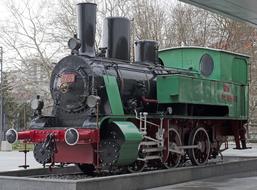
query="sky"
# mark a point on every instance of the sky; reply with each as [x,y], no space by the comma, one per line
[3,11]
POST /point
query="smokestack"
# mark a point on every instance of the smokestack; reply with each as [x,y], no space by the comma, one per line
[116,37]
[86,28]
[146,51]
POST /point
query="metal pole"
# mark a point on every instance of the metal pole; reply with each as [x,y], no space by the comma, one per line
[133,40]
[24,117]
[4,124]
[1,89]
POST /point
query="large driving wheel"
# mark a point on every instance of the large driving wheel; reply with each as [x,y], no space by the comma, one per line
[199,155]
[175,153]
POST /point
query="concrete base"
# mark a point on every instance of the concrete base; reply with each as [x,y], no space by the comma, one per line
[144,180]
[5,146]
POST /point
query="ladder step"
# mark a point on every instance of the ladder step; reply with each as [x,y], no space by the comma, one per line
[151,150]
[152,157]
[149,143]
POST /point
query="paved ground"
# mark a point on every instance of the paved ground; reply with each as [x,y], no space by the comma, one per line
[12,160]
[242,181]
[251,152]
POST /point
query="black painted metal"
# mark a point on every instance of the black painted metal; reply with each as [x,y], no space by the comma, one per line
[70,109]
[116,37]
[41,154]
[86,28]
[146,51]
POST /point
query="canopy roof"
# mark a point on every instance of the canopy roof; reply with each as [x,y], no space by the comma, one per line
[245,10]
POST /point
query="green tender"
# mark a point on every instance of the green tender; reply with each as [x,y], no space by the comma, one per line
[228,66]
[192,90]
[227,85]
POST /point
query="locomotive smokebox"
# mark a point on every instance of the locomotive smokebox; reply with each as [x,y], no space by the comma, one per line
[146,51]
[86,28]
[116,37]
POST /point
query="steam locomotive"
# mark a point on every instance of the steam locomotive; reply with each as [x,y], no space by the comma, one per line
[166,107]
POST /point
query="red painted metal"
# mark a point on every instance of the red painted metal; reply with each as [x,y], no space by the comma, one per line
[86,136]
[82,152]
[79,153]
[151,101]
[166,137]
[68,78]
[24,135]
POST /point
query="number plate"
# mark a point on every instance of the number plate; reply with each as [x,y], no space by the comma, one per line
[67,78]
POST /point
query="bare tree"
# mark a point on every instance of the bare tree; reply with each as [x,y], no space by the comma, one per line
[29,47]
[149,19]
[26,35]
[188,25]
[234,35]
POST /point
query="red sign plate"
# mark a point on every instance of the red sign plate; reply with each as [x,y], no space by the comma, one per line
[67,78]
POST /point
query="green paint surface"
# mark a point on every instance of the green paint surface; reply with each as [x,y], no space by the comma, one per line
[228,66]
[132,138]
[193,90]
[113,95]
[230,69]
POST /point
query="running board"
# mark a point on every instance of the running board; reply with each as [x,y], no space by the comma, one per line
[150,158]
[152,150]
[148,143]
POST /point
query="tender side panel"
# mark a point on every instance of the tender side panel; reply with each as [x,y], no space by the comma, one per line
[190,90]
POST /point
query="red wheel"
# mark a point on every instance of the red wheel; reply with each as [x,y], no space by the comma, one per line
[199,155]
[175,154]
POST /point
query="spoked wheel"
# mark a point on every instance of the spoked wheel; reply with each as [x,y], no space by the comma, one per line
[87,168]
[199,155]
[175,155]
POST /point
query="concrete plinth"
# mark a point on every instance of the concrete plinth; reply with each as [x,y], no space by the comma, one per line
[24,180]
[5,146]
